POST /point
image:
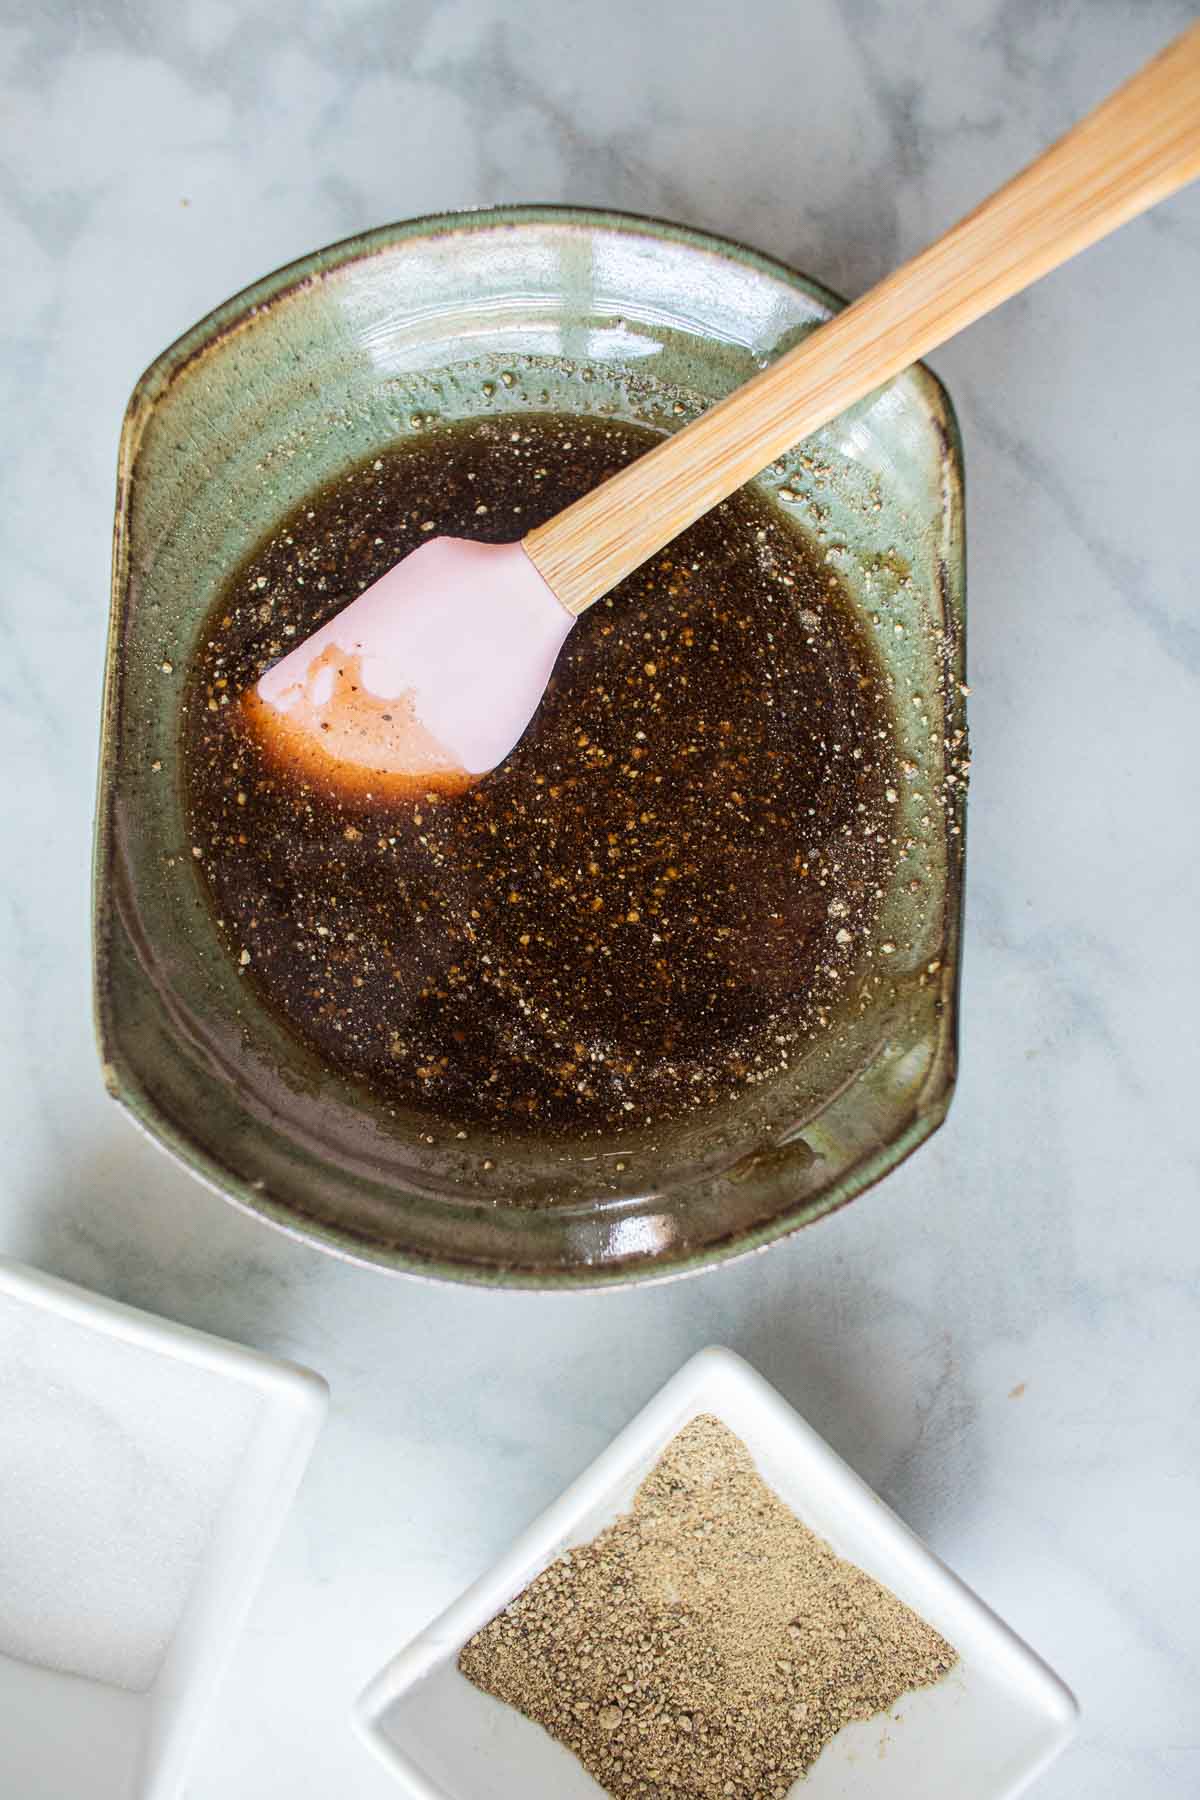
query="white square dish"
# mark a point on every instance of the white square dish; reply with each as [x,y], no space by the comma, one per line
[145,1473]
[983,1733]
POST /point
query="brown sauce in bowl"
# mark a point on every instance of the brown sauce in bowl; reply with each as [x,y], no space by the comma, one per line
[652,904]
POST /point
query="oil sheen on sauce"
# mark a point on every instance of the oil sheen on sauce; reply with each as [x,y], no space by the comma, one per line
[654,902]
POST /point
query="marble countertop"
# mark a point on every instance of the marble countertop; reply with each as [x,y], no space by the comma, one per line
[1003,1337]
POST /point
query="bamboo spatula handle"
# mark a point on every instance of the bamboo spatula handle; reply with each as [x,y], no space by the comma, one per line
[1131,151]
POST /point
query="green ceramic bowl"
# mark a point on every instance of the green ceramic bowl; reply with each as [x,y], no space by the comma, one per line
[268,398]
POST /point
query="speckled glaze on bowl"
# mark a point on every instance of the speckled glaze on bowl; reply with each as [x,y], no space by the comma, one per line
[276,392]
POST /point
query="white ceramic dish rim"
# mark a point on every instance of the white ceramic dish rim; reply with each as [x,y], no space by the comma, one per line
[296,1397]
[714,1380]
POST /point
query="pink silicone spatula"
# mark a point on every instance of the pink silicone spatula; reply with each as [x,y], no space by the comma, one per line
[435,671]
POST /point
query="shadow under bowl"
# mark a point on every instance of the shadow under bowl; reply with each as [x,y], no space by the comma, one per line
[279,391]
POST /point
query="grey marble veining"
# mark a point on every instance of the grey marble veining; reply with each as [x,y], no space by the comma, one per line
[1003,1337]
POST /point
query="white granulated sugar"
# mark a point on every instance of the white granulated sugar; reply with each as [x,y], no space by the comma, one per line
[114,1464]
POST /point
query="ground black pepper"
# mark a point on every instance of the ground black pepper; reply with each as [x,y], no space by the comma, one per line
[707,1644]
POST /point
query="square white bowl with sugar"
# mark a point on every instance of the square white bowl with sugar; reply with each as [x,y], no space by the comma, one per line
[145,1473]
[984,1732]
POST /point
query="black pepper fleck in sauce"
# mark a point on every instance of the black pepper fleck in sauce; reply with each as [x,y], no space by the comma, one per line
[652,905]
